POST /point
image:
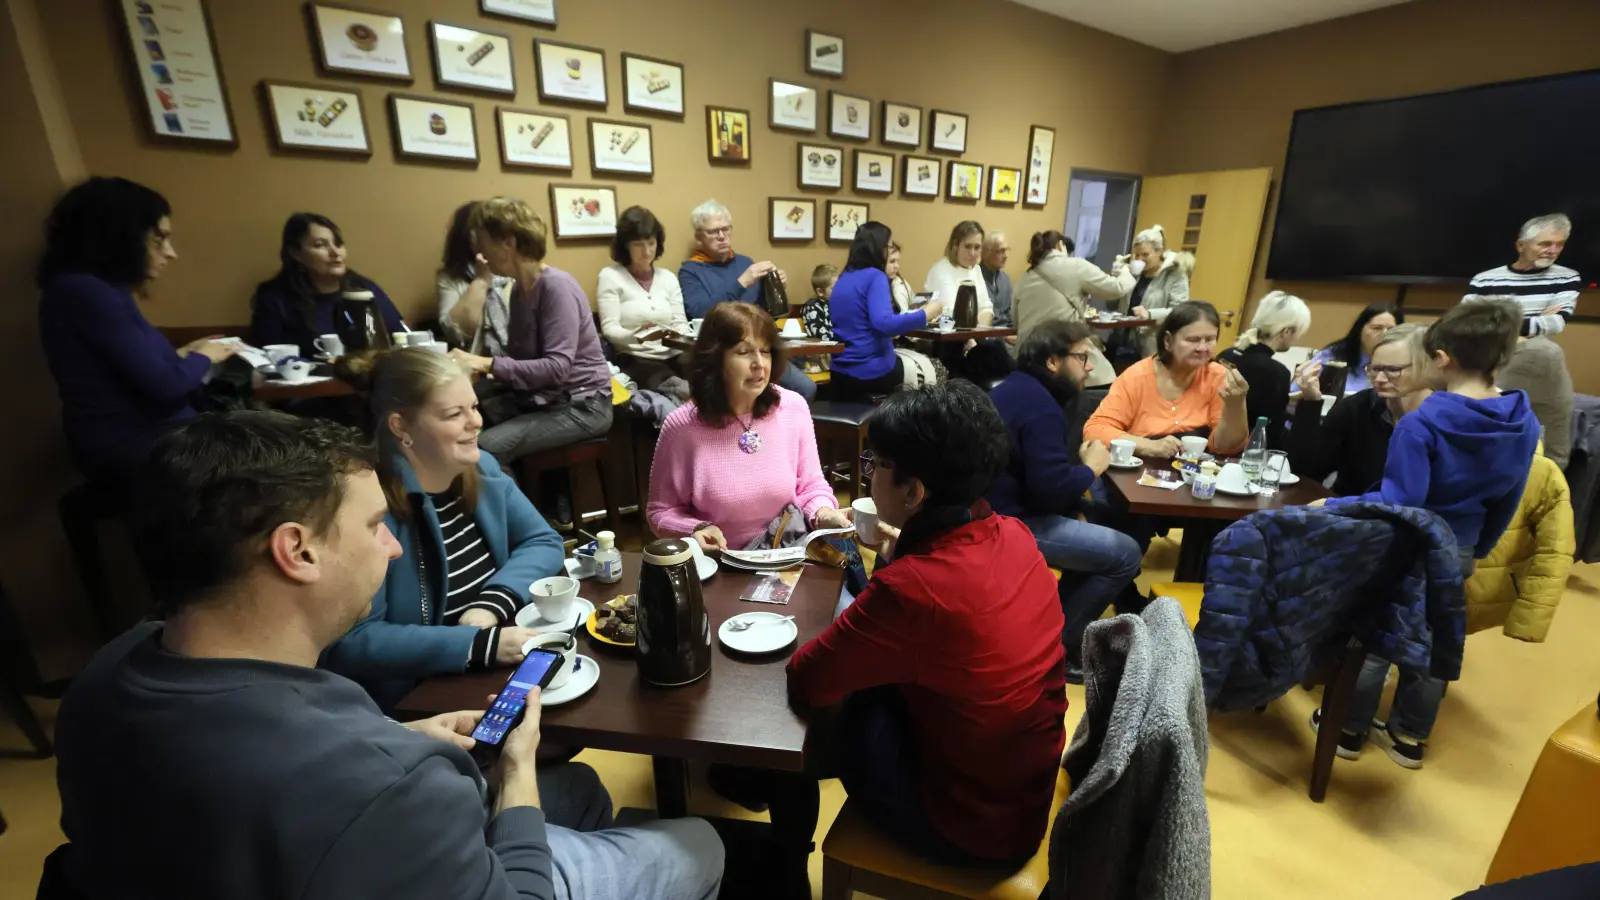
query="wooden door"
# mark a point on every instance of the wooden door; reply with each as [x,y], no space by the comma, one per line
[1217,217]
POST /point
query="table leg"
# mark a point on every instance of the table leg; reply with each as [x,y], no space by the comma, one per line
[672,787]
[1196,549]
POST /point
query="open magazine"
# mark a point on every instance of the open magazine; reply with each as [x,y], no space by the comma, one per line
[785,558]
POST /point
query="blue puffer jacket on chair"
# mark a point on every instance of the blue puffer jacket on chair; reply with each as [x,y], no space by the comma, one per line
[1282,584]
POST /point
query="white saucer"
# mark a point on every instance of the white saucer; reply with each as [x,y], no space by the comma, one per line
[528,617]
[1233,493]
[309,379]
[1135,463]
[583,680]
[1289,478]
[705,566]
[758,638]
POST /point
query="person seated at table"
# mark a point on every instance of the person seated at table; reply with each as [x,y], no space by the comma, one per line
[1055,288]
[1353,439]
[1354,350]
[635,295]
[729,461]
[263,537]
[815,316]
[715,274]
[864,320]
[1179,391]
[992,266]
[472,300]
[949,663]
[296,305]
[1050,470]
[899,288]
[470,541]
[958,266]
[120,381]
[1161,282]
[1278,320]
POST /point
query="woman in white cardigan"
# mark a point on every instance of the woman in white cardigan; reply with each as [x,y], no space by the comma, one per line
[960,265]
[636,296]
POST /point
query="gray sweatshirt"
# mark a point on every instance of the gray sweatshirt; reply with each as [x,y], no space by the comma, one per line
[247,779]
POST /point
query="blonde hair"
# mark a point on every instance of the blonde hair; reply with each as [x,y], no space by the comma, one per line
[402,381]
[963,230]
[1155,236]
[1411,336]
[1276,313]
[503,217]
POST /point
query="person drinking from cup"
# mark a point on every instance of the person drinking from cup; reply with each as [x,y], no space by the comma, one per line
[472,299]
[1161,282]
[1278,320]
[864,320]
[470,542]
[1352,353]
[296,305]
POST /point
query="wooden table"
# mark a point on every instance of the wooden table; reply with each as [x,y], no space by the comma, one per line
[276,390]
[1202,520]
[961,334]
[738,713]
[792,348]
[1121,323]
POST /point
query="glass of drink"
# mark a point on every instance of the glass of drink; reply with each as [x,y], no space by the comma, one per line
[1272,469]
[1333,378]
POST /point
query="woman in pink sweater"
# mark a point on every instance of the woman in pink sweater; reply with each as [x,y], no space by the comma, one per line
[730,460]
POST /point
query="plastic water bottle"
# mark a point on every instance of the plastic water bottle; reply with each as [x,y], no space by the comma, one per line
[1255,454]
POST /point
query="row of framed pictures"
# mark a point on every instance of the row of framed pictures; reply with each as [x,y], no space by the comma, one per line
[793,220]
[822,166]
[795,107]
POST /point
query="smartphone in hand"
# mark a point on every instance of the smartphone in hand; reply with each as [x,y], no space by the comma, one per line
[505,713]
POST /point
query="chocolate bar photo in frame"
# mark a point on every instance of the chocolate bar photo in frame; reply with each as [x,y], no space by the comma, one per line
[472,58]
[534,139]
[652,86]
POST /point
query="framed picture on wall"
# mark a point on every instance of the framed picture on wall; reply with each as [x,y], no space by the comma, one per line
[433,129]
[844,217]
[470,58]
[947,131]
[583,210]
[821,166]
[874,172]
[792,106]
[361,42]
[194,108]
[849,116]
[966,181]
[542,12]
[620,147]
[919,176]
[727,134]
[1041,150]
[652,86]
[316,117]
[536,140]
[568,73]
[824,53]
[1004,184]
[792,219]
[901,124]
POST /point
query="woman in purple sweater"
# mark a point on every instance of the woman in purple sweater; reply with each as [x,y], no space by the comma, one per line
[864,320]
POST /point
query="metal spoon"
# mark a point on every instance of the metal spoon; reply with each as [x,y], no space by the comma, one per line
[746,624]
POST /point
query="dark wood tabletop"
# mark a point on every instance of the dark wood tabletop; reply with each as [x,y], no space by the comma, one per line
[960,334]
[738,713]
[1121,323]
[1181,504]
[793,348]
[276,390]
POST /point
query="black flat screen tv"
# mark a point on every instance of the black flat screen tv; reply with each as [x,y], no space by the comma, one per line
[1432,188]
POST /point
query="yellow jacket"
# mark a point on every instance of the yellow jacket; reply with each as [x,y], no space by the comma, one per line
[1520,582]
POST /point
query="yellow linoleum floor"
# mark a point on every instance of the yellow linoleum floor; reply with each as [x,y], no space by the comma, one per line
[1383,831]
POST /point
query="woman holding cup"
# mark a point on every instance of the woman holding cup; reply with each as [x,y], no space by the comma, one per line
[471,542]
[296,305]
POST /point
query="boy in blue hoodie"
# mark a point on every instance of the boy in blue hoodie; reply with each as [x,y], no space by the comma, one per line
[1464,454]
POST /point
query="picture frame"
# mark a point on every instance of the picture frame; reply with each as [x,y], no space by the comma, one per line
[534,139]
[900,125]
[570,73]
[791,219]
[539,12]
[849,116]
[583,211]
[947,131]
[433,129]
[965,181]
[791,107]
[626,148]
[820,166]
[919,176]
[651,86]
[844,217]
[824,53]
[728,135]
[194,110]
[471,58]
[316,118]
[356,41]
[874,172]
[1041,154]
[1005,184]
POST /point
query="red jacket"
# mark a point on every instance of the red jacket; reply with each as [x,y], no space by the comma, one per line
[971,631]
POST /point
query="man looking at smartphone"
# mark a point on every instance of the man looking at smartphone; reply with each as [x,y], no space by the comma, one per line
[206,756]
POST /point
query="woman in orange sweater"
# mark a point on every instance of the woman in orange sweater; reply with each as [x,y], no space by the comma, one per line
[1179,391]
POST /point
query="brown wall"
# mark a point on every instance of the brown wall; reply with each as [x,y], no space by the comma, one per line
[1231,107]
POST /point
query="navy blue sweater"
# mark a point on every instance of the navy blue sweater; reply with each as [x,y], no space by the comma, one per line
[705,284]
[120,380]
[864,320]
[1044,476]
[276,319]
[1465,459]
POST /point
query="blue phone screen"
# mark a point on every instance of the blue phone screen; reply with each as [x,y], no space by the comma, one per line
[502,715]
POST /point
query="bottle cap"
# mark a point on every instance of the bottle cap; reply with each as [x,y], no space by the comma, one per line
[607,539]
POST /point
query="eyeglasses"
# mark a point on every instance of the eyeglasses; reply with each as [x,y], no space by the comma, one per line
[1082,358]
[724,231]
[1390,372]
[869,463]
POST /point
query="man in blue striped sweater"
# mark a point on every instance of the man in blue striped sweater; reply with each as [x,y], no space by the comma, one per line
[1546,292]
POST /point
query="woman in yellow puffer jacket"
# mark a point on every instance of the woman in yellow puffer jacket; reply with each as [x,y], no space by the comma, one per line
[1519,584]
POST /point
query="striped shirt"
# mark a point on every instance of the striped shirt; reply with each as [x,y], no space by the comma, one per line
[468,567]
[1534,291]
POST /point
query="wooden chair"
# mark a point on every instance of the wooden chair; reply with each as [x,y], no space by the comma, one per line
[568,457]
[845,423]
[1556,824]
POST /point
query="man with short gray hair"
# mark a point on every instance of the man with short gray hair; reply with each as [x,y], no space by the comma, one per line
[1546,292]
[993,266]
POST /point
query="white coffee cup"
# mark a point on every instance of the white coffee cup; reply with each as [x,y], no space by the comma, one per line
[793,329]
[295,370]
[865,513]
[559,642]
[1122,451]
[553,597]
[694,326]
[329,345]
[1231,478]
[277,352]
[1136,267]
[1193,446]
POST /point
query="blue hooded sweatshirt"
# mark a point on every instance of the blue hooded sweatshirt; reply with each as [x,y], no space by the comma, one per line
[1465,459]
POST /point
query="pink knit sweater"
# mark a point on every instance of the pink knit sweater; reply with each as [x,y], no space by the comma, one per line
[700,475]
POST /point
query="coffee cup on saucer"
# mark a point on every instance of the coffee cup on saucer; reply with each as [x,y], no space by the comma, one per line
[1193,446]
[553,597]
[1231,479]
[329,345]
[1122,452]
[793,329]
[277,353]
[294,370]
[865,514]
[557,642]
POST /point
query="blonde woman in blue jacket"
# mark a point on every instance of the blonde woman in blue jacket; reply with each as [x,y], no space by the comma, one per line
[470,541]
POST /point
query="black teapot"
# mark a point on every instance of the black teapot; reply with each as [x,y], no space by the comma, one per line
[674,628]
